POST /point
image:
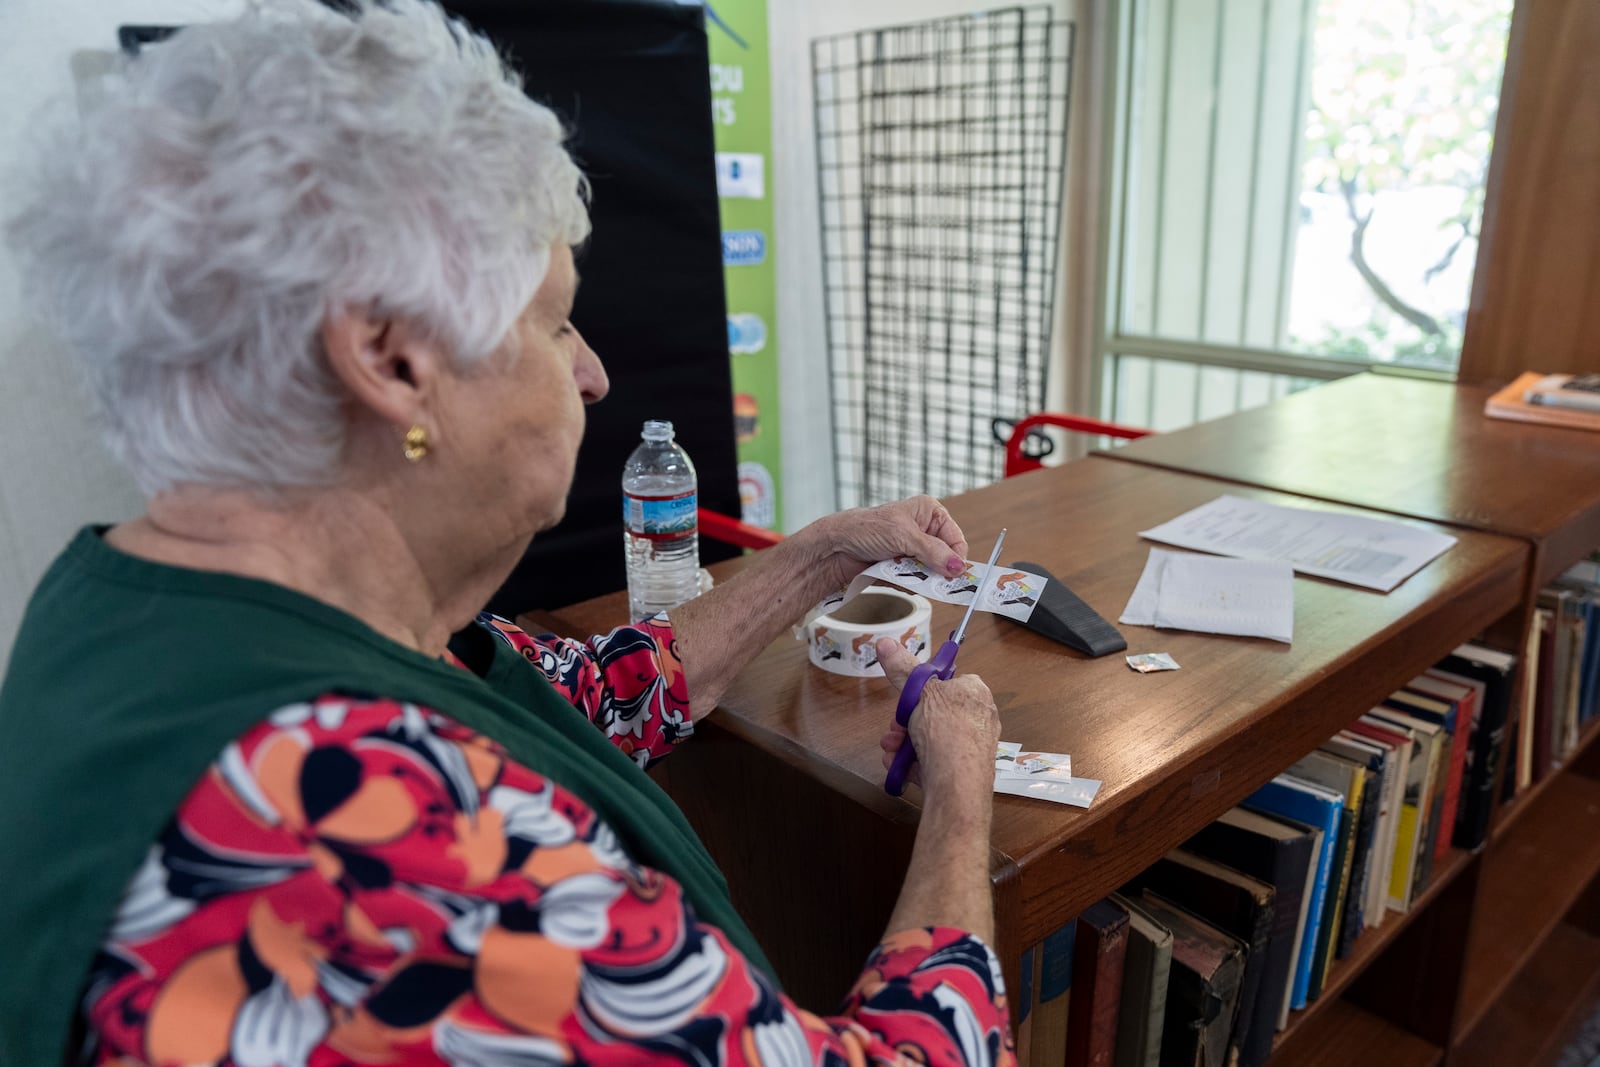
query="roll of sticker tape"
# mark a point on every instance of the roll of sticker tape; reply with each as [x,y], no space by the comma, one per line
[844,641]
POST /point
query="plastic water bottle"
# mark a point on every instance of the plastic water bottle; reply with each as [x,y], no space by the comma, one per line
[661,528]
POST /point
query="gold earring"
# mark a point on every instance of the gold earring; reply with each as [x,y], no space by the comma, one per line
[416,444]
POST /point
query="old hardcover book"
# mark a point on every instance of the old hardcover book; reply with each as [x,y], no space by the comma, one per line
[1280,853]
[1144,987]
[1202,990]
[1098,960]
[1230,900]
[1053,995]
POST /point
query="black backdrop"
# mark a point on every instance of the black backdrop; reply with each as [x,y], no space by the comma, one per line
[631,80]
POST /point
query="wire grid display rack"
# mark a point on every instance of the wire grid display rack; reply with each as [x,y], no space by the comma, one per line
[940,156]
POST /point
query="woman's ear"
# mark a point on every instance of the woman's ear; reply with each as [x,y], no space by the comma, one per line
[387,367]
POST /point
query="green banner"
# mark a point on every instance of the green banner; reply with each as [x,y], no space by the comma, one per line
[741,112]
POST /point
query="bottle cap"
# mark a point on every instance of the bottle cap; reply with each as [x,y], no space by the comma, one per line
[657,430]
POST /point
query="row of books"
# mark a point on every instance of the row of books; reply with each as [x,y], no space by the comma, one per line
[1201,958]
[1563,653]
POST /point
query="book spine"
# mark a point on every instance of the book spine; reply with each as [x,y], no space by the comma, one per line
[1544,701]
[1523,739]
[1333,906]
[1319,891]
[1355,905]
[1405,845]
[1026,987]
[1590,670]
[1289,869]
[1452,786]
[1098,961]
[1052,995]
[1487,743]
[1573,626]
[1438,764]
[1488,751]
[1252,1007]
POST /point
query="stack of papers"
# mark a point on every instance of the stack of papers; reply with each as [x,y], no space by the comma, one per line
[1373,553]
[1209,594]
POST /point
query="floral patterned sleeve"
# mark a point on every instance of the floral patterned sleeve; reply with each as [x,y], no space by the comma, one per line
[628,682]
[366,882]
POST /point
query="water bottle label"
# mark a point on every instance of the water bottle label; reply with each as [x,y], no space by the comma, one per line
[660,518]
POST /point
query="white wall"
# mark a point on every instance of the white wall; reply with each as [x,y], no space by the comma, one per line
[802,338]
[54,475]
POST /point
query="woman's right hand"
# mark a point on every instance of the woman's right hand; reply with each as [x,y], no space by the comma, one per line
[955,728]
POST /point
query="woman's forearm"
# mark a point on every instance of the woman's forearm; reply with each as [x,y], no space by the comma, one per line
[947,881]
[721,631]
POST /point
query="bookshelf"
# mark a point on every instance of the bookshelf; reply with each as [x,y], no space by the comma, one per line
[1522,913]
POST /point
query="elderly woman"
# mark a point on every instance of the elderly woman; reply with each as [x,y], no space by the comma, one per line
[272,791]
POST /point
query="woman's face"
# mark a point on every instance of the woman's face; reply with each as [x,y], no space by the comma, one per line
[517,420]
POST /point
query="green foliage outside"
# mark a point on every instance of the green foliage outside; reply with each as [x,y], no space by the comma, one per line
[1402,99]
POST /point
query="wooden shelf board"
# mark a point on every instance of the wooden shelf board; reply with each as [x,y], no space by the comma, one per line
[1370,945]
[1513,808]
[1343,1034]
[1533,1021]
[1531,876]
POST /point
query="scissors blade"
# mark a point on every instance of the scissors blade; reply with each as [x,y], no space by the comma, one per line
[961,631]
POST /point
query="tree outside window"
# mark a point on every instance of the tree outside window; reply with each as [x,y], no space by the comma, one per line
[1398,129]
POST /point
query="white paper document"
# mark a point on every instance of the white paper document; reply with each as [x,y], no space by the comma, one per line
[1372,553]
[1242,597]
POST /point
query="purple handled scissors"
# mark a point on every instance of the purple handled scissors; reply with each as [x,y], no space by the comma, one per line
[942,665]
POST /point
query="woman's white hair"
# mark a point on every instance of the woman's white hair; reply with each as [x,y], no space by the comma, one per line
[245,179]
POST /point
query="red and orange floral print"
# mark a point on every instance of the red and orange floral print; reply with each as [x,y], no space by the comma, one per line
[364,881]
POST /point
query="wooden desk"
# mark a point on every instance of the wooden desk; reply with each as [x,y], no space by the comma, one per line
[1425,450]
[1415,448]
[785,784]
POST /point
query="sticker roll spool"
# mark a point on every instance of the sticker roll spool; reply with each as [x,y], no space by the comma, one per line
[844,641]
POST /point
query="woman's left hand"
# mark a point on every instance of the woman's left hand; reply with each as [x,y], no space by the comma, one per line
[722,630]
[919,527]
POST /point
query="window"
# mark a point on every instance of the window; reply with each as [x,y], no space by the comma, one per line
[1297,189]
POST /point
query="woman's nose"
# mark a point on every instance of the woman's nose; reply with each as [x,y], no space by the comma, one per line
[590,374]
